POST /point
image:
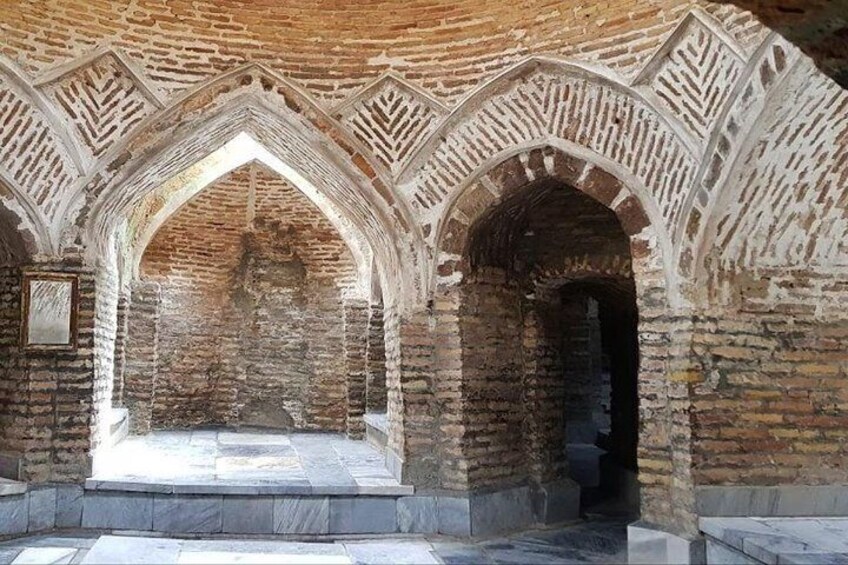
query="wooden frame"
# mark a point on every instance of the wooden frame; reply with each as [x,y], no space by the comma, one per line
[26,302]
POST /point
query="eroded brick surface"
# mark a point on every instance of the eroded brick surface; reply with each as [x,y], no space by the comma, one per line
[715,150]
[251,323]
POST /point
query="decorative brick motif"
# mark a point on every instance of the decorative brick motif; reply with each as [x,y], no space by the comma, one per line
[103,101]
[785,203]
[31,152]
[391,118]
[767,71]
[540,101]
[694,74]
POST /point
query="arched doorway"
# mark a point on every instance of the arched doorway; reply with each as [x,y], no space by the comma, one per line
[549,316]
[547,263]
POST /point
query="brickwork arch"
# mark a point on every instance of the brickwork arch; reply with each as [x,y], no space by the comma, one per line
[506,179]
[250,100]
[39,164]
[542,102]
[782,204]
[664,340]
[19,240]
[166,200]
[763,77]
[25,233]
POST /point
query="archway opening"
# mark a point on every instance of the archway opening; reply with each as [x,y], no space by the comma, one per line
[251,284]
[247,325]
[548,320]
[600,357]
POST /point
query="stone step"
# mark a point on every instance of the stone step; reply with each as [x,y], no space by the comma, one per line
[45,507]
[117,549]
[9,487]
[10,466]
[377,430]
[119,425]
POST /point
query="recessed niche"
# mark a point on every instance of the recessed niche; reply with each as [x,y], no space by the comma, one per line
[49,311]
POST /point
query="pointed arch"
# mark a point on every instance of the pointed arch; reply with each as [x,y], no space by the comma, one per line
[24,215]
[543,100]
[768,69]
[515,171]
[168,198]
[283,120]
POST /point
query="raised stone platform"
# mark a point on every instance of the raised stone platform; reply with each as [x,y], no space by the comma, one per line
[230,463]
[772,501]
[221,482]
[776,540]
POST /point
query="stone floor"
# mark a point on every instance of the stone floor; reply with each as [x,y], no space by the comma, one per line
[776,540]
[601,541]
[316,462]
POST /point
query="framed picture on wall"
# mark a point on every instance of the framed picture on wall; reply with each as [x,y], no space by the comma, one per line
[49,311]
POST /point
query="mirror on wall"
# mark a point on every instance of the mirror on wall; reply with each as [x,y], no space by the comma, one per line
[49,311]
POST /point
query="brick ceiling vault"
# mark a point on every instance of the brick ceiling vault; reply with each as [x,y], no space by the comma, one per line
[682,118]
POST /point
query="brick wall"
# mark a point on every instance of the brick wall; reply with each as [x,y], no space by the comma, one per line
[47,408]
[13,375]
[376,367]
[771,408]
[122,308]
[490,330]
[250,328]
[105,337]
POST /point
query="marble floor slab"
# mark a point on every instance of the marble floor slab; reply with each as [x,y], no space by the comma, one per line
[43,549]
[320,461]
[595,542]
[782,540]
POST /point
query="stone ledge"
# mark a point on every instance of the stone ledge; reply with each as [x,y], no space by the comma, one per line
[648,543]
[378,421]
[11,488]
[234,489]
[787,500]
[464,514]
[377,430]
[776,540]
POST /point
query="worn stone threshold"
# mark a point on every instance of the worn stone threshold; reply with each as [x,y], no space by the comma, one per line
[246,488]
[9,487]
[821,540]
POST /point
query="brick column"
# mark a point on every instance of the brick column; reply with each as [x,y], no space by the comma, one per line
[355,346]
[667,375]
[544,390]
[375,400]
[453,466]
[120,348]
[13,375]
[142,355]
[410,452]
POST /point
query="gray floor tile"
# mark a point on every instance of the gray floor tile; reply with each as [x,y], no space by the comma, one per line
[389,553]
[248,515]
